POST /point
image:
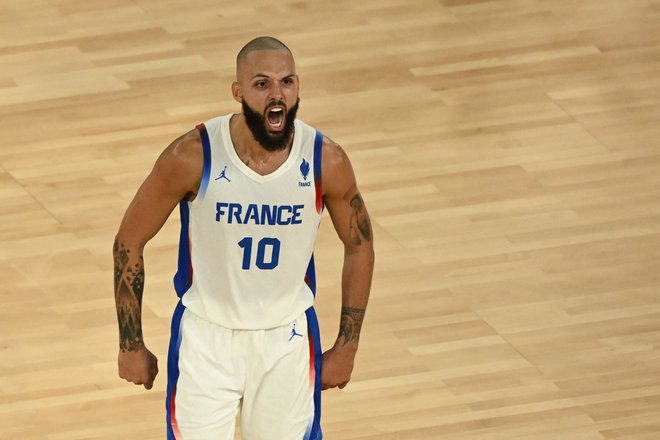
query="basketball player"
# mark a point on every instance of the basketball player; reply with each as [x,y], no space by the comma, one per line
[251,188]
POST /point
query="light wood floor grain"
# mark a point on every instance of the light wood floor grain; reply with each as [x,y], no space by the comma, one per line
[509,153]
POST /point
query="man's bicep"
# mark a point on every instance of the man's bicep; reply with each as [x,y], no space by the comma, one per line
[350,218]
[344,201]
[175,175]
[147,212]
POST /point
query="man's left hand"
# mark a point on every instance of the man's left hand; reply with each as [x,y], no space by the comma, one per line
[337,366]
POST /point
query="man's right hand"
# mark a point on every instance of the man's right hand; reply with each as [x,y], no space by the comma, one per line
[139,367]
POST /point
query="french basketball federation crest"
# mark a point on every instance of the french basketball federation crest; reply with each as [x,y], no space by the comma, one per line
[304,170]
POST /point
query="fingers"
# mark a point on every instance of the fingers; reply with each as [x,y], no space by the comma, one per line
[144,377]
[325,384]
[332,374]
[153,372]
[148,383]
[329,385]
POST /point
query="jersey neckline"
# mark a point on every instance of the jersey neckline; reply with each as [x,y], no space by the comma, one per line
[249,172]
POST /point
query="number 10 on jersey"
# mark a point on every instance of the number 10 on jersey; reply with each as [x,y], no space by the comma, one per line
[268,253]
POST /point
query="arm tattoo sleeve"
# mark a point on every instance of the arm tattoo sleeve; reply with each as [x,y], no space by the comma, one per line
[360,228]
[351,324]
[129,286]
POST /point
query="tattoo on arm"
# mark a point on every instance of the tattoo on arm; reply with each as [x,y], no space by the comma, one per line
[360,228]
[129,287]
[351,324]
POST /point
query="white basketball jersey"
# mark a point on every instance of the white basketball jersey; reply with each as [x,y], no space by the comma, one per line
[247,241]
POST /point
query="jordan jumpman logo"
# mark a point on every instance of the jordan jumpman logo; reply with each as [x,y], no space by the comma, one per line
[293,332]
[223,175]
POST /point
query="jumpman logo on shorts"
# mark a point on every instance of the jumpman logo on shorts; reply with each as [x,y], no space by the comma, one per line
[223,175]
[293,332]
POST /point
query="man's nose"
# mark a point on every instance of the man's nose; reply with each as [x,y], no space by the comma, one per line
[276,92]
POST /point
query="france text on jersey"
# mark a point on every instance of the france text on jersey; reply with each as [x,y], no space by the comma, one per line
[259,214]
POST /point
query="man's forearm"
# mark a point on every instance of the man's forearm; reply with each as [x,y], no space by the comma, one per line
[129,287]
[357,273]
[356,284]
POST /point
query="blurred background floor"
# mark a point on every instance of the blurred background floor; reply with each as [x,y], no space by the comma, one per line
[509,154]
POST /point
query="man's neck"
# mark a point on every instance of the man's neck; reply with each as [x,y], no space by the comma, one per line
[251,152]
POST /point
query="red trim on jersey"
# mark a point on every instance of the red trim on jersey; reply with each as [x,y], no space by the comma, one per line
[173,422]
[319,196]
[312,370]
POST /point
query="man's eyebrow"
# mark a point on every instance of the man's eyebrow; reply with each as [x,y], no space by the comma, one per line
[263,75]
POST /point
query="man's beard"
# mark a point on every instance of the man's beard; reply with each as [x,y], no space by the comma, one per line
[256,122]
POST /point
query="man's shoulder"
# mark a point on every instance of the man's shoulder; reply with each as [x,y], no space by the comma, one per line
[188,144]
[185,154]
[333,154]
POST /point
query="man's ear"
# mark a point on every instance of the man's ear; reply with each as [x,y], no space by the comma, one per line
[236,91]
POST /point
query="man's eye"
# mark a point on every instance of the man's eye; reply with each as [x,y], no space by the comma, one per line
[261,84]
[288,82]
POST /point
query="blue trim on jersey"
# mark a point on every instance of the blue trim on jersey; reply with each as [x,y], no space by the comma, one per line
[318,143]
[310,275]
[173,368]
[318,153]
[183,276]
[206,171]
[314,432]
[314,333]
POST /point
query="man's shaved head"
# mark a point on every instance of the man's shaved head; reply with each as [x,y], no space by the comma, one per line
[259,43]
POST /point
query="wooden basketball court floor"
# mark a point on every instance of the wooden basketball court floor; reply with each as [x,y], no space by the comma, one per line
[508,151]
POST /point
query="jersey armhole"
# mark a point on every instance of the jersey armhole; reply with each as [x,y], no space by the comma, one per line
[206,170]
[318,183]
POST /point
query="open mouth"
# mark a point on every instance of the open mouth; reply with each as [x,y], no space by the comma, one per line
[275,118]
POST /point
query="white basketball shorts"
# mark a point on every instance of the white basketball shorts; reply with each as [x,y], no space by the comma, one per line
[272,376]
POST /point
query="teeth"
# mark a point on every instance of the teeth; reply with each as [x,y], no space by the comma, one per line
[276,111]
